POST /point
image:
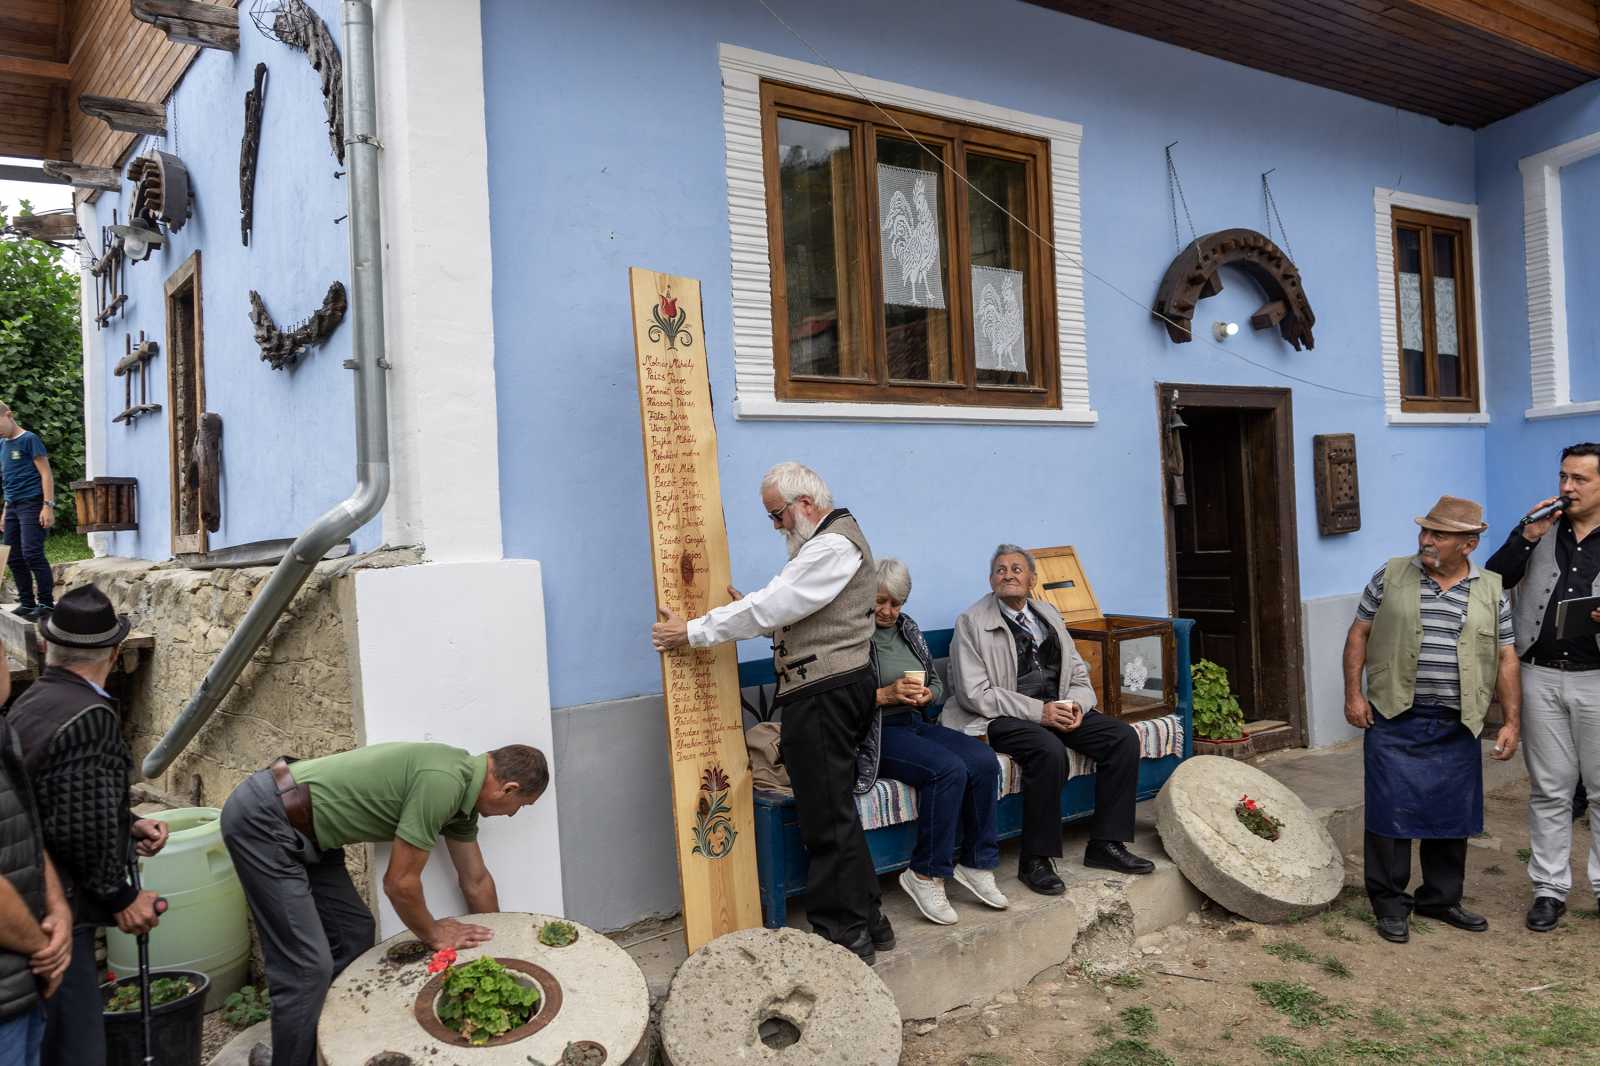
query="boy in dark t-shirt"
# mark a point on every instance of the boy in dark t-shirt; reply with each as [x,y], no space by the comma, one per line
[30,497]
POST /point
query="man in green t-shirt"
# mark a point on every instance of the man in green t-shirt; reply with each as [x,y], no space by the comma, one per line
[286,828]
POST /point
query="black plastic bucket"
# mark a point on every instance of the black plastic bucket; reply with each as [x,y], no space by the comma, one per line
[175,1028]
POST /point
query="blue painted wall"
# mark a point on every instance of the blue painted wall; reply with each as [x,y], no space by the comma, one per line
[606,150]
[1580,215]
[288,436]
[1525,455]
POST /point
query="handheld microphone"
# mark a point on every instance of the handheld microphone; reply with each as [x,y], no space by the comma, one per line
[1539,514]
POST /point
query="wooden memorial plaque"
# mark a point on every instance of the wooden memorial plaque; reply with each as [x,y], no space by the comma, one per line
[712,807]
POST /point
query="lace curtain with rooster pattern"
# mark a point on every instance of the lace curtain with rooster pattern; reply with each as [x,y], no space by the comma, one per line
[913,262]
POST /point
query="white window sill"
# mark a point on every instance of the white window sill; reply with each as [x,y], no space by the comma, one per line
[826,411]
[1436,418]
[1563,410]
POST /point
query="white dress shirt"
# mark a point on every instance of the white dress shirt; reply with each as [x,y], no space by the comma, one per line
[1026,619]
[817,574]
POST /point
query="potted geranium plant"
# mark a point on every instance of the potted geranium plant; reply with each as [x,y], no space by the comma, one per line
[483,999]
[1217,714]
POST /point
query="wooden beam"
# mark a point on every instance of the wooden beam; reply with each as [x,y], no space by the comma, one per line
[125,116]
[191,22]
[83,176]
[56,128]
[36,69]
[1515,24]
[15,172]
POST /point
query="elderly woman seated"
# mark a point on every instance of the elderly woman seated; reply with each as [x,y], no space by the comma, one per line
[1015,676]
[956,776]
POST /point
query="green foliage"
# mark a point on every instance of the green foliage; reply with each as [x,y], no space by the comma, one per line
[1524,854]
[162,990]
[1128,980]
[66,547]
[1290,951]
[1127,1053]
[247,1006]
[41,355]
[482,1000]
[1387,1020]
[1333,967]
[557,934]
[1217,714]
[1138,1021]
[1300,1003]
[1280,1049]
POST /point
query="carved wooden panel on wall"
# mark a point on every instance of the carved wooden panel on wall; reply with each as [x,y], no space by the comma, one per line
[1338,489]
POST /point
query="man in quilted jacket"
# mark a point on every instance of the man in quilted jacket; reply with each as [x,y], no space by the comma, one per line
[73,751]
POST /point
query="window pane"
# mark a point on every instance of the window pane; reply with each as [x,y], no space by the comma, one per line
[911,219]
[1446,323]
[1413,359]
[821,264]
[997,211]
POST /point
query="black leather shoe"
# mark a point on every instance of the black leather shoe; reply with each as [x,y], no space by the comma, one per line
[881,932]
[1113,855]
[862,947]
[1545,913]
[1456,915]
[1395,930]
[1039,874]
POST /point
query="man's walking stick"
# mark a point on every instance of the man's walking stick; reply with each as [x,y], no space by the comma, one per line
[144,965]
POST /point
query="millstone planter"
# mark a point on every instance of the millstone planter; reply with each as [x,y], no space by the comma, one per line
[592,1010]
[175,1027]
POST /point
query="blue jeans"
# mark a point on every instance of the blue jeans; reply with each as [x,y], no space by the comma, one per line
[21,1036]
[957,779]
[25,538]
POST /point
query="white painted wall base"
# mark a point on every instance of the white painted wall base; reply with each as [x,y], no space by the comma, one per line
[455,653]
[1324,623]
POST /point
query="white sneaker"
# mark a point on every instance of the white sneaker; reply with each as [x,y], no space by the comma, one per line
[929,897]
[981,884]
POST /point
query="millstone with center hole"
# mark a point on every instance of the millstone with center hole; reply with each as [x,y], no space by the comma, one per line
[778,996]
[1266,881]
[593,1004]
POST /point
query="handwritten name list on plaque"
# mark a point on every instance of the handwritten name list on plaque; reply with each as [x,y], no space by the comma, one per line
[712,809]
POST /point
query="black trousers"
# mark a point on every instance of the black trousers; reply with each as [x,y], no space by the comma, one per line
[1042,755]
[29,567]
[1388,859]
[74,1025]
[311,920]
[818,744]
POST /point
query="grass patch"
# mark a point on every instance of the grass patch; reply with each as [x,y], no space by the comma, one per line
[1138,1021]
[1303,1005]
[1561,1026]
[986,1058]
[1495,871]
[1128,1052]
[1524,854]
[1288,1053]
[1290,951]
[1129,980]
[1333,967]
[1387,1020]
[67,547]
[1376,1050]
[1334,929]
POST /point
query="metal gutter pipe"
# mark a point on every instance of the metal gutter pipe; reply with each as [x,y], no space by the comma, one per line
[371,399]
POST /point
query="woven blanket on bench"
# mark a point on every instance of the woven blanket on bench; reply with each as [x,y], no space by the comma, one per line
[892,802]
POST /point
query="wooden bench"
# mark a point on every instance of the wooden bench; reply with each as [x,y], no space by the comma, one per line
[888,811]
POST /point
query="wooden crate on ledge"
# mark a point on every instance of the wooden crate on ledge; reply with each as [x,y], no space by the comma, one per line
[1132,661]
[107,504]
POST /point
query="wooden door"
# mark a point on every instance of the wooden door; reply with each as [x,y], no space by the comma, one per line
[1212,549]
[186,402]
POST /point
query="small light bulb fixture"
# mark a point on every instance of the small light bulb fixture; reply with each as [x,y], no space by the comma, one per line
[1223,330]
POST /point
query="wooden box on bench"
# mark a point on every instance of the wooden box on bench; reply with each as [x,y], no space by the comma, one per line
[1132,661]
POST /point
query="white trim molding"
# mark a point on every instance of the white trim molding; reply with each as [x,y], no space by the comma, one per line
[754,377]
[1544,247]
[1383,200]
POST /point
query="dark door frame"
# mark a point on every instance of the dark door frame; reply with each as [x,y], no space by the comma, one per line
[1275,562]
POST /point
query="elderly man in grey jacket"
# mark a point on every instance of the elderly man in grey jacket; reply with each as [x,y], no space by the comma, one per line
[1016,676]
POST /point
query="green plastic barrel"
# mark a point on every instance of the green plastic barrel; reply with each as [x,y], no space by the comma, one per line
[204,926]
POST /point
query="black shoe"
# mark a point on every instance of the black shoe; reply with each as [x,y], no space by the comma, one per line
[1039,874]
[1113,855]
[881,932]
[1545,913]
[861,946]
[1396,930]
[30,611]
[1456,915]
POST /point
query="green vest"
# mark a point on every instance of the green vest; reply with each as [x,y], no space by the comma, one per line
[1396,642]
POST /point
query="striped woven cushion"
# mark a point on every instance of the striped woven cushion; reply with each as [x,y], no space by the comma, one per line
[893,802]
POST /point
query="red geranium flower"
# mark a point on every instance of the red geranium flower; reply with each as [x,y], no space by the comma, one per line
[442,960]
[1250,804]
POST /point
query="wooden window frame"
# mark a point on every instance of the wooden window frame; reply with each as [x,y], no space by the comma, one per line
[186,277]
[866,123]
[1428,223]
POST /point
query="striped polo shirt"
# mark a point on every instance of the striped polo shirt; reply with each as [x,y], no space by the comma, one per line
[1443,615]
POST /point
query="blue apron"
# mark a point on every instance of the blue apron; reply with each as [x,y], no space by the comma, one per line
[1424,776]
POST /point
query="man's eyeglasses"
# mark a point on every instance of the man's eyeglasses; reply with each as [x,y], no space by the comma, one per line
[777,516]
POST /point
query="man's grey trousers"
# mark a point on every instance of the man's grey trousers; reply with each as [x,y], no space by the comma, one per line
[1560,740]
[311,920]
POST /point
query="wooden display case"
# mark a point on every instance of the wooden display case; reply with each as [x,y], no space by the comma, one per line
[1132,661]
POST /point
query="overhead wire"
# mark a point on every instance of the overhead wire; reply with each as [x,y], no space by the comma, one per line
[1036,235]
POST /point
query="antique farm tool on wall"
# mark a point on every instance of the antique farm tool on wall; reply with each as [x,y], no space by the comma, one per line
[1193,276]
[136,364]
[109,272]
[283,348]
[1338,489]
[294,23]
[192,22]
[162,195]
[205,470]
[712,806]
[249,149]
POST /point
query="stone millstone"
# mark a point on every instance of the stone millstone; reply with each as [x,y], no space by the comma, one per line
[778,981]
[369,1011]
[1263,880]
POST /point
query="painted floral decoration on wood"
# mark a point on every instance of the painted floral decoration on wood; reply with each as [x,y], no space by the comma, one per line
[713,828]
[669,322]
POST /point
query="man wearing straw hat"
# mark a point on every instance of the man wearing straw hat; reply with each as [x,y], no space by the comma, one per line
[1434,635]
[74,753]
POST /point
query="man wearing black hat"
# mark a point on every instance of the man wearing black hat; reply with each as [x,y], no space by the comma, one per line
[73,751]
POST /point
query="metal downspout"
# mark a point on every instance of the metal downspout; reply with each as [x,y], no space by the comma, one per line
[371,400]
